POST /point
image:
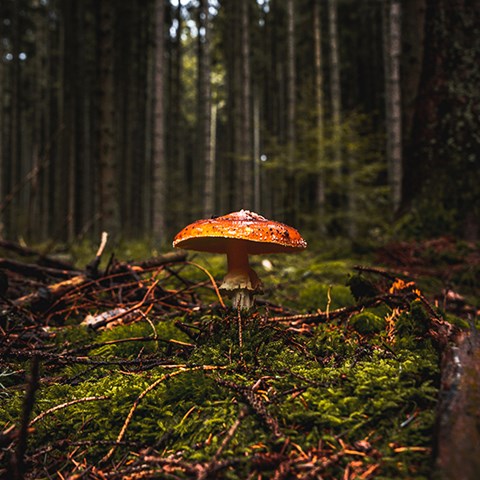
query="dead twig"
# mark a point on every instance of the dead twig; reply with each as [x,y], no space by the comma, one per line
[92,267]
[214,284]
[65,405]
[18,461]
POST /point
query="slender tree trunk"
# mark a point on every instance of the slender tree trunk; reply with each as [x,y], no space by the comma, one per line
[319,117]
[335,89]
[413,33]
[211,174]
[147,192]
[184,177]
[257,184]
[292,198]
[393,100]
[159,160]
[51,128]
[87,194]
[14,134]
[60,163]
[246,110]
[205,109]
[69,114]
[2,148]
[109,204]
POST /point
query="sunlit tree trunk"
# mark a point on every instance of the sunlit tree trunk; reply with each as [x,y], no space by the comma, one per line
[109,206]
[246,159]
[231,167]
[159,161]
[319,117]
[392,41]
[257,187]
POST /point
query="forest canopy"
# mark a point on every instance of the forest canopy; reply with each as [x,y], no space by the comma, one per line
[344,118]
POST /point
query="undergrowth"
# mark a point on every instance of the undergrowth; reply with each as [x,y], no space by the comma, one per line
[208,386]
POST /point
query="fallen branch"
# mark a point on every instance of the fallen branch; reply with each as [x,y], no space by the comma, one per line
[50,293]
[37,271]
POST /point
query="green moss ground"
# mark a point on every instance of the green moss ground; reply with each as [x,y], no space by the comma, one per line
[360,390]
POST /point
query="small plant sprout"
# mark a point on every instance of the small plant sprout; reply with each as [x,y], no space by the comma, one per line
[240,234]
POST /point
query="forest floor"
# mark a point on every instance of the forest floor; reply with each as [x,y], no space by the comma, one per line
[345,369]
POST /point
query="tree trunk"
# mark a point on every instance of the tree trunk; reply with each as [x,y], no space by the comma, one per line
[245,99]
[413,33]
[182,176]
[204,110]
[392,41]
[2,148]
[291,207]
[257,181]
[14,133]
[109,204]
[159,160]
[319,118]
[335,90]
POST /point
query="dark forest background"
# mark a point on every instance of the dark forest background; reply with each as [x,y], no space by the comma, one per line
[344,118]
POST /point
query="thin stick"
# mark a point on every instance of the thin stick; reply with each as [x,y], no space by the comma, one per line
[217,291]
[65,405]
[329,302]
[92,267]
[103,243]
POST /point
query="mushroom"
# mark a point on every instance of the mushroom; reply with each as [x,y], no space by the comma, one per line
[240,234]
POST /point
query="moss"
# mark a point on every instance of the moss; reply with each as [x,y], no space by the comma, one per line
[367,323]
[413,322]
[328,384]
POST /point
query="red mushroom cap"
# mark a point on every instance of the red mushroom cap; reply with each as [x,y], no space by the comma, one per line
[257,233]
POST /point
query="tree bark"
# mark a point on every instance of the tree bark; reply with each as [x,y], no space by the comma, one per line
[109,202]
[245,99]
[319,120]
[335,89]
[205,110]
[159,160]
[441,148]
[291,207]
[392,40]
[413,38]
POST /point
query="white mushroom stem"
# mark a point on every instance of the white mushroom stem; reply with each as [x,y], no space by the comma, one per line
[241,282]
